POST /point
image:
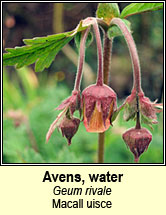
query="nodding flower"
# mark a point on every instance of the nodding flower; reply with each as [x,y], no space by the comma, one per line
[99,104]
[137,106]
[98,100]
[66,122]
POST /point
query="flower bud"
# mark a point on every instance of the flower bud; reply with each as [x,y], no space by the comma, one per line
[66,123]
[99,104]
[69,127]
[138,141]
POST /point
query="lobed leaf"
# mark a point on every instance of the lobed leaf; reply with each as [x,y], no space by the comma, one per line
[46,58]
[49,38]
[41,50]
[136,8]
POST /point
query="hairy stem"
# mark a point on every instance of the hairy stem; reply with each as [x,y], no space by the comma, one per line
[133,52]
[135,62]
[81,59]
[99,48]
[107,57]
[106,67]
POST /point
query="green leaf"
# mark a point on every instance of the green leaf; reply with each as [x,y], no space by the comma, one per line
[114,31]
[136,8]
[41,50]
[46,59]
[89,39]
[129,111]
[107,11]
[115,114]
[147,121]
[50,38]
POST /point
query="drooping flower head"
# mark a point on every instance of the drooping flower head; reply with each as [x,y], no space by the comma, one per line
[66,122]
[137,102]
[98,100]
[136,106]
[99,104]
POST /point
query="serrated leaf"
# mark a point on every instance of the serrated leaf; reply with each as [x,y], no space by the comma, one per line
[107,11]
[77,39]
[136,8]
[46,59]
[29,59]
[41,50]
[49,38]
[114,31]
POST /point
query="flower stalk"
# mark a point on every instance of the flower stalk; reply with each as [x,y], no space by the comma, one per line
[138,139]
[133,52]
[100,56]
[135,63]
[98,100]
[81,59]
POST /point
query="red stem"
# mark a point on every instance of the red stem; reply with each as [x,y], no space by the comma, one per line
[135,63]
[81,59]
[133,52]
[100,60]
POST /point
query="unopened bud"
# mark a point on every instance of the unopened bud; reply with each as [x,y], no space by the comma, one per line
[69,127]
[137,140]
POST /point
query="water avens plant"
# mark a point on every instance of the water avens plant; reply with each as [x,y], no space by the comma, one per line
[97,104]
